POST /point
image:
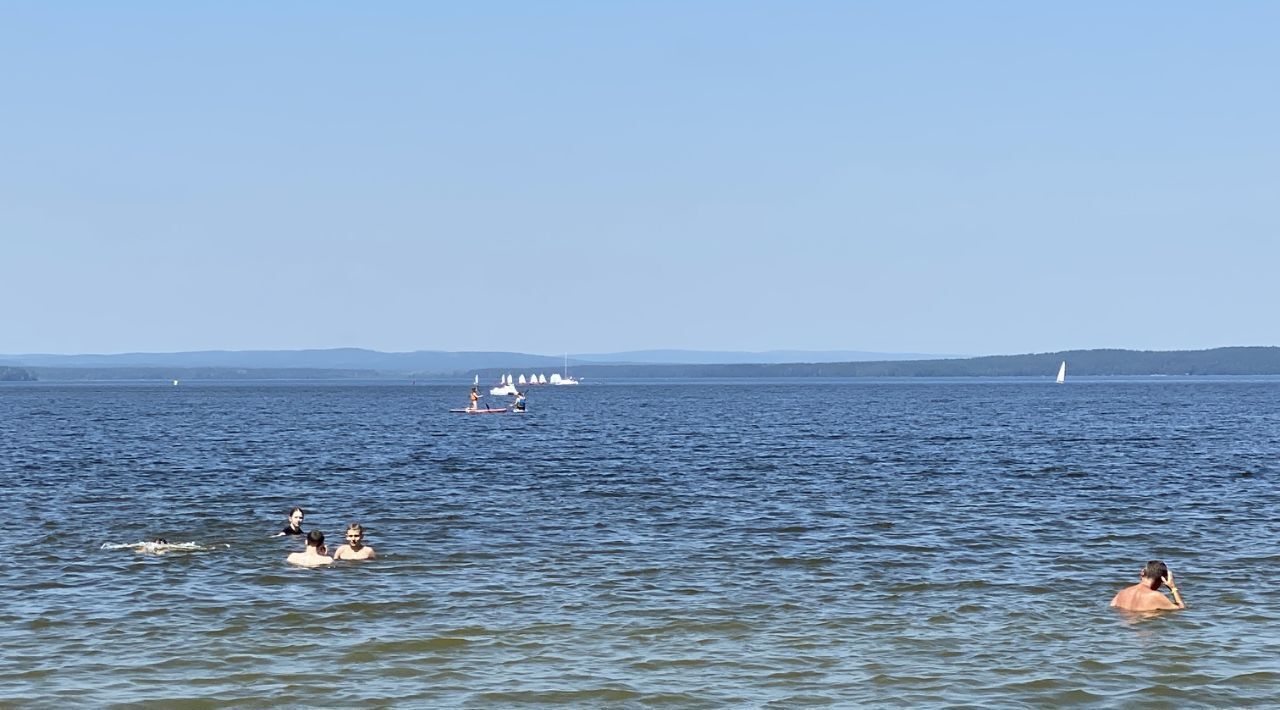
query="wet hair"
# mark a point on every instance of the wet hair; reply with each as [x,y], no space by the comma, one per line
[356,526]
[1155,571]
[297,510]
[315,538]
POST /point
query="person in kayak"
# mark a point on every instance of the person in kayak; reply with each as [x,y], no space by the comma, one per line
[475,398]
[1145,595]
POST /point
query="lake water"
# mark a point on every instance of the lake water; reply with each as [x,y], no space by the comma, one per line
[712,544]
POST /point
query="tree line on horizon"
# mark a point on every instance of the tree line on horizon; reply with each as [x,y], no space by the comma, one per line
[15,374]
[1100,362]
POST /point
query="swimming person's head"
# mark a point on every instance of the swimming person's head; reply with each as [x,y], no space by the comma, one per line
[1155,573]
[295,518]
[355,535]
[315,539]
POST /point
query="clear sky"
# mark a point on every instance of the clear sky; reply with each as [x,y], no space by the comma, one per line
[940,177]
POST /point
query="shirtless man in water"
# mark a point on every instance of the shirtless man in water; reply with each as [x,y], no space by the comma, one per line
[355,549]
[1145,595]
[314,555]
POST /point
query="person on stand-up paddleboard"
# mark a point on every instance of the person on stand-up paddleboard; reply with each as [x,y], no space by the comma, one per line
[475,398]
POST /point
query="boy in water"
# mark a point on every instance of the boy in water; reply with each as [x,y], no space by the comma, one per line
[1145,595]
[314,555]
[355,549]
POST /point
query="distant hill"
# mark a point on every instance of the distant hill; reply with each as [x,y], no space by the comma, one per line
[424,362]
[1218,361]
[352,363]
[730,357]
[92,374]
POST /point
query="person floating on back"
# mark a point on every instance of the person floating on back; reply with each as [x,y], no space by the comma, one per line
[314,555]
[1146,595]
[355,549]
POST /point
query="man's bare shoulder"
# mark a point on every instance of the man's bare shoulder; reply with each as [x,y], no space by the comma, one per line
[346,553]
[301,559]
[1141,598]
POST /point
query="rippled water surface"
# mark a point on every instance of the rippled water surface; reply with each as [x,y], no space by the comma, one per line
[702,545]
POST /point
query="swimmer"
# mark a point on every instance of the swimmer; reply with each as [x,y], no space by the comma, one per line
[314,555]
[294,526]
[355,549]
[1145,595]
[160,546]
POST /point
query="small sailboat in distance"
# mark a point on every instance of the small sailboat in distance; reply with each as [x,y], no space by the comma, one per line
[566,380]
[1062,372]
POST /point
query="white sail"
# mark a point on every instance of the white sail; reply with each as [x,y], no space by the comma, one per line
[521,380]
[566,380]
[555,378]
[1062,372]
[542,379]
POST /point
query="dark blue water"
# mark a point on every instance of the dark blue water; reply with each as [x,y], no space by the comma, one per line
[701,545]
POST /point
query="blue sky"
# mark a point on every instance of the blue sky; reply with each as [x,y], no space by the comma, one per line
[978,178]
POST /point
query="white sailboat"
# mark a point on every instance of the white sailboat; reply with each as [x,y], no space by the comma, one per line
[1062,373]
[542,379]
[504,386]
[566,380]
[521,380]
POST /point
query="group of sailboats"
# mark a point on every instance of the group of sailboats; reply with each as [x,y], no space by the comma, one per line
[508,386]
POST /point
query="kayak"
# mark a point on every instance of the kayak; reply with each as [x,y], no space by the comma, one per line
[479,411]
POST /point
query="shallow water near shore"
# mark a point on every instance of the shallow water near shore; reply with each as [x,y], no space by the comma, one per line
[719,544]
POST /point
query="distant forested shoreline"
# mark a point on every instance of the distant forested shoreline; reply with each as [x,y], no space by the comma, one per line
[90,374]
[1219,361]
[15,374]
[1102,362]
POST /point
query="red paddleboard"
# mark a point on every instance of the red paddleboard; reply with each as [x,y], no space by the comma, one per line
[479,411]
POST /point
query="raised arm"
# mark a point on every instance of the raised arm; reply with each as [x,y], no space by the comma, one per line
[1177,598]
